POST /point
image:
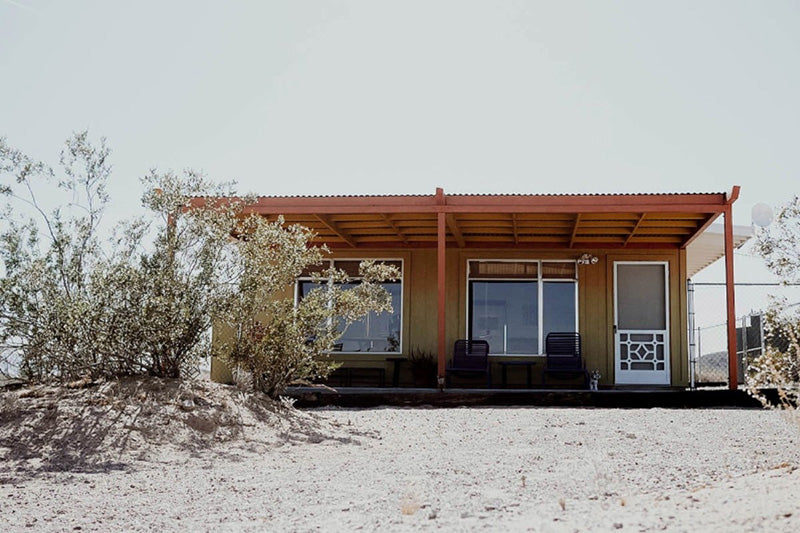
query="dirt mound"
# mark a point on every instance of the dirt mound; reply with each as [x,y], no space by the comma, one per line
[110,425]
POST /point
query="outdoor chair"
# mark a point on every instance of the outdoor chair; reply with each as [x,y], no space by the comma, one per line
[470,357]
[563,356]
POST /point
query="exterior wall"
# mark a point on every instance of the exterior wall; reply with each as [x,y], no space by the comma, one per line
[595,306]
[595,303]
[219,370]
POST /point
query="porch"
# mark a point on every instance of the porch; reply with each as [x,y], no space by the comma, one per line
[511,268]
[504,373]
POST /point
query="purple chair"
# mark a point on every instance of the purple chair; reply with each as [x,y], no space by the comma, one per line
[470,357]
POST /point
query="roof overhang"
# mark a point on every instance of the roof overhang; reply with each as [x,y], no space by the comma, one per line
[710,246]
[501,221]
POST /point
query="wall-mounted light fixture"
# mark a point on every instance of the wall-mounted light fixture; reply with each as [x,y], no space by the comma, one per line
[587,259]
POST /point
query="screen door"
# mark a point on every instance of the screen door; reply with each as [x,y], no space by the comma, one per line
[641,322]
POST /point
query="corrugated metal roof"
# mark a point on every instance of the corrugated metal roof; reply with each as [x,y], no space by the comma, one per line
[348,196]
[568,220]
[587,194]
[485,195]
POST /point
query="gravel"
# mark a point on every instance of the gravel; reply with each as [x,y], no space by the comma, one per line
[463,469]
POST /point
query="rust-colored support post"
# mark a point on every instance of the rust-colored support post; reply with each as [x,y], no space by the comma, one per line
[733,370]
[441,246]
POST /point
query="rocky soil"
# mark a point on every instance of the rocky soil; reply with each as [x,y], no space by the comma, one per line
[147,455]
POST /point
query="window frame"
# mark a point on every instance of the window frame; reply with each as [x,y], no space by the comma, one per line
[540,280]
[401,281]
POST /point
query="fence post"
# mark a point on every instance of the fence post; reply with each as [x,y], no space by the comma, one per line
[744,346]
[692,354]
[699,349]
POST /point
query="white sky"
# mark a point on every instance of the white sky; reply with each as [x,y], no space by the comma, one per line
[370,96]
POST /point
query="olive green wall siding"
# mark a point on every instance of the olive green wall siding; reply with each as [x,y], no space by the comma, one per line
[595,303]
[220,334]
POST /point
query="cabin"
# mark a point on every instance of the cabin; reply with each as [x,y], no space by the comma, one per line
[511,269]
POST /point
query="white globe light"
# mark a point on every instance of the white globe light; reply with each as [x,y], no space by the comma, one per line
[762,215]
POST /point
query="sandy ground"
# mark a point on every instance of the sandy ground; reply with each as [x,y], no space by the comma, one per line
[135,457]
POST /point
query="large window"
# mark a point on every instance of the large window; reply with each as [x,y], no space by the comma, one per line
[376,332]
[513,305]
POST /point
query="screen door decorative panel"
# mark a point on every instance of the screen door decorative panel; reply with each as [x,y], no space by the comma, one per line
[641,311]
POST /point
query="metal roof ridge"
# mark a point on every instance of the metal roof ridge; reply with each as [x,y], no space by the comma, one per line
[588,194]
[704,193]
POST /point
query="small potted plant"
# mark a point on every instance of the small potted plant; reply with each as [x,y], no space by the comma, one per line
[423,367]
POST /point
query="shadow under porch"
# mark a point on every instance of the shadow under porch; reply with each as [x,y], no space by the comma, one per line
[626,398]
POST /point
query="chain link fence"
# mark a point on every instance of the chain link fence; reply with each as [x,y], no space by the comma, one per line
[711,362]
[709,338]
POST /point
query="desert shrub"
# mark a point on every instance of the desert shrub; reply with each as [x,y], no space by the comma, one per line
[779,243]
[73,306]
[163,289]
[46,311]
[779,366]
[280,342]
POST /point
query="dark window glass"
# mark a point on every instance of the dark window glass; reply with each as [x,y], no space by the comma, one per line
[505,314]
[307,286]
[375,332]
[558,306]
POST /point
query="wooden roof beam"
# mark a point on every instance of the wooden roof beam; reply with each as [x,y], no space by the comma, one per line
[635,227]
[452,224]
[574,230]
[729,199]
[331,225]
[514,227]
[700,229]
[395,227]
[733,195]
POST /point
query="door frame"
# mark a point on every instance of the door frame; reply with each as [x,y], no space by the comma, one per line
[667,373]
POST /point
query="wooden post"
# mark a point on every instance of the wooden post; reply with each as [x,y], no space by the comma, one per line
[441,246]
[733,370]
